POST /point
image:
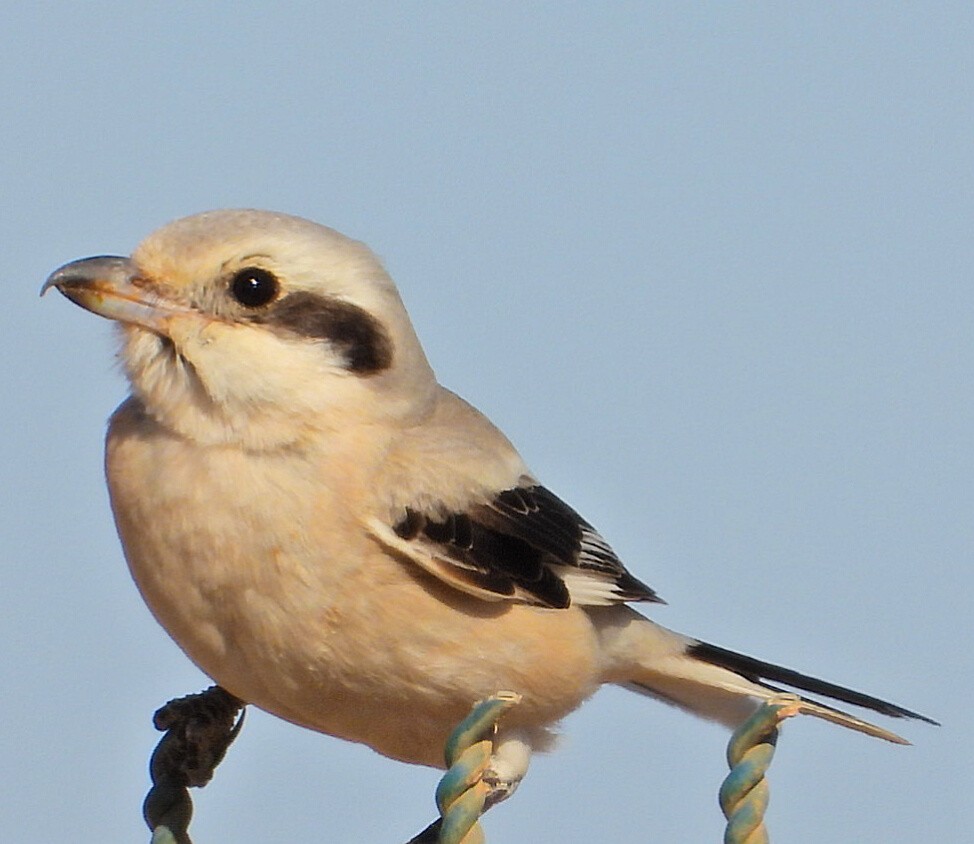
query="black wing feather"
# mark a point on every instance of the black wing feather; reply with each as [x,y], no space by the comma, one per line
[516,543]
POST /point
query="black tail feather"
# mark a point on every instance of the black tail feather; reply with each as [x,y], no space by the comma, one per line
[757,671]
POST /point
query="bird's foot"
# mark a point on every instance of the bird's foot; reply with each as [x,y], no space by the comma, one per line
[482,770]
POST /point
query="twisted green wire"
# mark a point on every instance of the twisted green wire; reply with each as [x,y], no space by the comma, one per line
[462,794]
[198,730]
[744,792]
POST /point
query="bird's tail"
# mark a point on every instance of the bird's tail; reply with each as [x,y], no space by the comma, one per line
[725,686]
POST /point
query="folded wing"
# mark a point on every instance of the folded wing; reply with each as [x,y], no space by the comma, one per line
[525,544]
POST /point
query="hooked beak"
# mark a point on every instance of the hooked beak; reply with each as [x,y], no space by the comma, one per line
[112,287]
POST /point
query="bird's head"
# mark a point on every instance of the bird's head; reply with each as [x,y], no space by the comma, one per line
[256,328]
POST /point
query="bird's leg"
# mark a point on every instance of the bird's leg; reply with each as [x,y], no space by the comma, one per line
[508,765]
[482,770]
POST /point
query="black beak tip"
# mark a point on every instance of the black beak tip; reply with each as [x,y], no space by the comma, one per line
[85,270]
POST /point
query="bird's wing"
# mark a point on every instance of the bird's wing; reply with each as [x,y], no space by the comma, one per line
[525,544]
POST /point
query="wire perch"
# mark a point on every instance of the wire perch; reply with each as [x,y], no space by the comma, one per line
[198,730]
[744,792]
[462,795]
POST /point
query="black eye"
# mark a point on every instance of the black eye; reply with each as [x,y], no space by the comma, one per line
[254,287]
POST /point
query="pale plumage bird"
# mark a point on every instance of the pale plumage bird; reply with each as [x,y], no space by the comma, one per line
[334,537]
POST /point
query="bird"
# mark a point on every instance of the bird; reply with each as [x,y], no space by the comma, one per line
[334,537]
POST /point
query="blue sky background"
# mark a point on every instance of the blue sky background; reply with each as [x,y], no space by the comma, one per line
[709,266]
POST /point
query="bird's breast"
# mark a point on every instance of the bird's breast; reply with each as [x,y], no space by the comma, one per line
[242,557]
[258,565]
